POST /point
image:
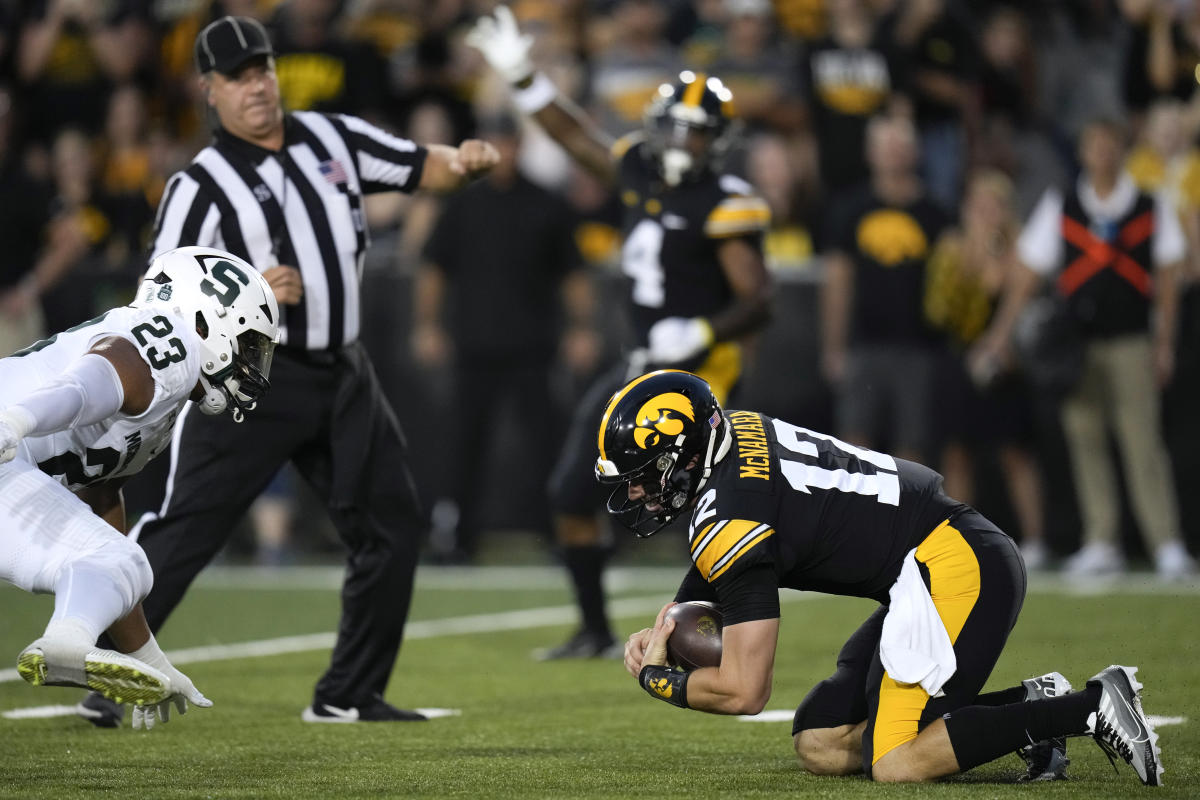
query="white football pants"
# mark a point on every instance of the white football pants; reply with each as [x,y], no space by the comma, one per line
[52,542]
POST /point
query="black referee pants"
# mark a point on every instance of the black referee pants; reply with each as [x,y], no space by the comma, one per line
[326,414]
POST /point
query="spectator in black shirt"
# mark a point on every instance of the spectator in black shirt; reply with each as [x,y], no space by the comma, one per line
[488,298]
[71,53]
[879,353]
[847,79]
[936,50]
[318,68]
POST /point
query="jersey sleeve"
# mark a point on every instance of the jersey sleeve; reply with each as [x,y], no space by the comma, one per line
[384,161]
[170,348]
[741,212]
[749,592]
[694,587]
[729,544]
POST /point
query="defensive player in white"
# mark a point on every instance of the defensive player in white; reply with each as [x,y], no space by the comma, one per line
[82,411]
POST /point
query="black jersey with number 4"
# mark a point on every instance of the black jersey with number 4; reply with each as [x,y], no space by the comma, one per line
[672,234]
[793,508]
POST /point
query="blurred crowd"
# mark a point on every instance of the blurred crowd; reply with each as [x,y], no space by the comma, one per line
[99,104]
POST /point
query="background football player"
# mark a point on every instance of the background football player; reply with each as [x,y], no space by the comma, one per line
[692,247]
[82,411]
[773,506]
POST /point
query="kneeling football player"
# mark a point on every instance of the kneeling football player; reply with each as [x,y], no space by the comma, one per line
[773,505]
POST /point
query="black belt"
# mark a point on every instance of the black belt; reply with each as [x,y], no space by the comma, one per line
[316,358]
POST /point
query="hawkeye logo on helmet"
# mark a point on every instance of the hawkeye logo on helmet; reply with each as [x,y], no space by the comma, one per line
[657,418]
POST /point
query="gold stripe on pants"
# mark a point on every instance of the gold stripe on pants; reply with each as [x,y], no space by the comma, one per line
[954,586]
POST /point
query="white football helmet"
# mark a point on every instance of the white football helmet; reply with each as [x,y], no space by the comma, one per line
[236,317]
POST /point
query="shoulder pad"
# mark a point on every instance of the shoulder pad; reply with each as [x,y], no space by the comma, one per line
[626,143]
[718,545]
[738,215]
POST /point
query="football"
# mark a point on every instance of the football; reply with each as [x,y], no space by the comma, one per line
[696,640]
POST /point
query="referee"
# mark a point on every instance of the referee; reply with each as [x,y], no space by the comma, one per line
[285,192]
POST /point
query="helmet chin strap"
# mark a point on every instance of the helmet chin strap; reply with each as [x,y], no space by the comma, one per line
[214,401]
[217,399]
[712,458]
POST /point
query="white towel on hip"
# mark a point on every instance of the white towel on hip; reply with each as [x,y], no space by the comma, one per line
[914,646]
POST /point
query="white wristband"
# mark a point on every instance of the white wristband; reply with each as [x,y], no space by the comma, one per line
[536,96]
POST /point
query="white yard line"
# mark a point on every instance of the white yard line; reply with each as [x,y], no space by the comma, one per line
[525,578]
[518,578]
[487,579]
[421,629]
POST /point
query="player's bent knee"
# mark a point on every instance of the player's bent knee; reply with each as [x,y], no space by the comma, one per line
[820,753]
[896,773]
[126,562]
[902,764]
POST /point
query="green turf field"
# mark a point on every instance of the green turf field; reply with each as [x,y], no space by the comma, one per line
[531,729]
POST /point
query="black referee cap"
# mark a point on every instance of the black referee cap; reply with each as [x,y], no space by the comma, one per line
[230,42]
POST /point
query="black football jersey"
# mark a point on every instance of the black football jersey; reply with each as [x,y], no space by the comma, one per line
[793,508]
[671,236]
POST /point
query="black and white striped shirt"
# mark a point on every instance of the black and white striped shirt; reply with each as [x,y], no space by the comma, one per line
[302,207]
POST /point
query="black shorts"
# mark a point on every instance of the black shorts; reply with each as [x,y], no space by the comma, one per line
[1000,414]
[977,581]
[573,486]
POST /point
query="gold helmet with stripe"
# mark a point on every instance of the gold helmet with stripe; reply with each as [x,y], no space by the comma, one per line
[659,438]
[689,126]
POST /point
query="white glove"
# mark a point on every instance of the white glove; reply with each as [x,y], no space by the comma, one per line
[14,424]
[502,44]
[677,339]
[183,690]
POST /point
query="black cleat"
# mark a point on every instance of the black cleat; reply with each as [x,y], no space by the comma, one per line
[100,711]
[1045,760]
[584,644]
[377,710]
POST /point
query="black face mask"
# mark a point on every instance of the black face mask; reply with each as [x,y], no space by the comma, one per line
[670,494]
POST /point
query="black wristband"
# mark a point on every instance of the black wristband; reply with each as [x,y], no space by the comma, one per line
[664,683]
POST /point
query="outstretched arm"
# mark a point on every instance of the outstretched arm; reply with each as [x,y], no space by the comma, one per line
[450,168]
[506,50]
[111,377]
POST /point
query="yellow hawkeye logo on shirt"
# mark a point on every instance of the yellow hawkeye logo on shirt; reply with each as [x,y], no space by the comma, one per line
[662,687]
[659,417]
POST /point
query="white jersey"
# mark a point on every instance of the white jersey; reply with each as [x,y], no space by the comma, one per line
[122,444]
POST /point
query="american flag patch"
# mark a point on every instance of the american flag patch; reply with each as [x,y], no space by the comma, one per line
[715,419]
[333,171]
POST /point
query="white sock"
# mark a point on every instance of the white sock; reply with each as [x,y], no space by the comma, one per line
[70,629]
[87,596]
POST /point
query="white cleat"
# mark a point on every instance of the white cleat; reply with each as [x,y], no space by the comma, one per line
[1120,726]
[120,678]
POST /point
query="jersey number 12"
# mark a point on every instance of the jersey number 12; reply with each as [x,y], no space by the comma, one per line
[804,476]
